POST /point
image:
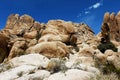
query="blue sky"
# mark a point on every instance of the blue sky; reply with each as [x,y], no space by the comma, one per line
[88,11]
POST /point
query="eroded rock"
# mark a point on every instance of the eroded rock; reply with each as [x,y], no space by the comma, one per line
[50,49]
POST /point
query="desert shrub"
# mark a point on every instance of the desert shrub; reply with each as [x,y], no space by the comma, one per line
[109,68]
[108,71]
[56,65]
[111,76]
[104,46]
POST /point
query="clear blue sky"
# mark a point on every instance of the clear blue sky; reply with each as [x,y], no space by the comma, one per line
[88,11]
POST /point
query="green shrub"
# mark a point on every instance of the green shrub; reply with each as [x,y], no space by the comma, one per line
[104,46]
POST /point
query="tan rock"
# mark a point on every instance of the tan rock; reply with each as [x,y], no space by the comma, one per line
[30,35]
[36,26]
[59,30]
[50,49]
[106,17]
[84,56]
[83,33]
[50,30]
[116,43]
[113,22]
[32,43]
[62,26]
[109,53]
[24,23]
[118,21]
[118,48]
[88,51]
[17,49]
[12,19]
[50,37]
[100,59]
[113,31]
[113,58]
[7,32]
[4,50]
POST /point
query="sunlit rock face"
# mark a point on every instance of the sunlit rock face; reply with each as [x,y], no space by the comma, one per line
[113,22]
[56,50]
[23,33]
[84,32]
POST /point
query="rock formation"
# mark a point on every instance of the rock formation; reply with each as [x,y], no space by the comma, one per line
[57,50]
[24,34]
[113,22]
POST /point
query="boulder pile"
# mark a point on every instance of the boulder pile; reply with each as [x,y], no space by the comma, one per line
[58,49]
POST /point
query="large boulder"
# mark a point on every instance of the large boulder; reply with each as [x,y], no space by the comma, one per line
[86,56]
[12,19]
[59,30]
[72,74]
[30,35]
[38,75]
[34,59]
[50,49]
[62,26]
[25,22]
[17,49]
[16,72]
[19,24]
[100,60]
[113,59]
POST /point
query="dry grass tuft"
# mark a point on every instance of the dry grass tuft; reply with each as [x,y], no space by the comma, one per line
[111,76]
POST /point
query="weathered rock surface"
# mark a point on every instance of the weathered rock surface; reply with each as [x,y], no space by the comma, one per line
[113,22]
[38,75]
[17,72]
[84,32]
[113,58]
[50,49]
[4,50]
[30,59]
[24,33]
[73,74]
[12,19]
[57,50]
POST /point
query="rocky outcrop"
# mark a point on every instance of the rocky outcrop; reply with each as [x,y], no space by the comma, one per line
[57,50]
[25,35]
[113,22]
[17,49]
[31,67]
[12,19]
[84,33]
